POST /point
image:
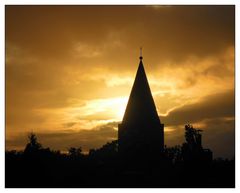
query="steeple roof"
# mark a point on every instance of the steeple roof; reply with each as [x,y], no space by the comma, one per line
[141,109]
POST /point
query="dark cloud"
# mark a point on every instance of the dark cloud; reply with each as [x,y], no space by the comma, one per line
[170,33]
[219,135]
[213,106]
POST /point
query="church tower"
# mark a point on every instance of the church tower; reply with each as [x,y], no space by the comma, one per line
[141,130]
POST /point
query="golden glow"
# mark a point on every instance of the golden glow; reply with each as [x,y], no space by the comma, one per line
[71,69]
[113,106]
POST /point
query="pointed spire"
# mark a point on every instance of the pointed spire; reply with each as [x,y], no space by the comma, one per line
[140,107]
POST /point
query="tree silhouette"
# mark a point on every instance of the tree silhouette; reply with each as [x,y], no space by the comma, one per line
[110,149]
[33,145]
[192,150]
[193,137]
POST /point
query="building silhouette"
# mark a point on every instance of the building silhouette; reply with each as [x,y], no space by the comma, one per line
[141,130]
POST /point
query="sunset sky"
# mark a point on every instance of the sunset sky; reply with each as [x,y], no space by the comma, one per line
[70,69]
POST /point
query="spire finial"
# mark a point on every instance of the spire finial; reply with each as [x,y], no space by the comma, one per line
[140,54]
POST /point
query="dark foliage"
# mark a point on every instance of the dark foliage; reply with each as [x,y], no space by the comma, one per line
[42,167]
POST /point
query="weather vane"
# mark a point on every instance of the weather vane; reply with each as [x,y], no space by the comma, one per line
[141,53]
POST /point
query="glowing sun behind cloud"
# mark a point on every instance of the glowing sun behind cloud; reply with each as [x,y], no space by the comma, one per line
[111,108]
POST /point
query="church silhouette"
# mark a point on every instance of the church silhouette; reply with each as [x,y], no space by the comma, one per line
[141,130]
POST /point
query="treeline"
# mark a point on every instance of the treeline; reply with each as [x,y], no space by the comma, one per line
[186,165]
